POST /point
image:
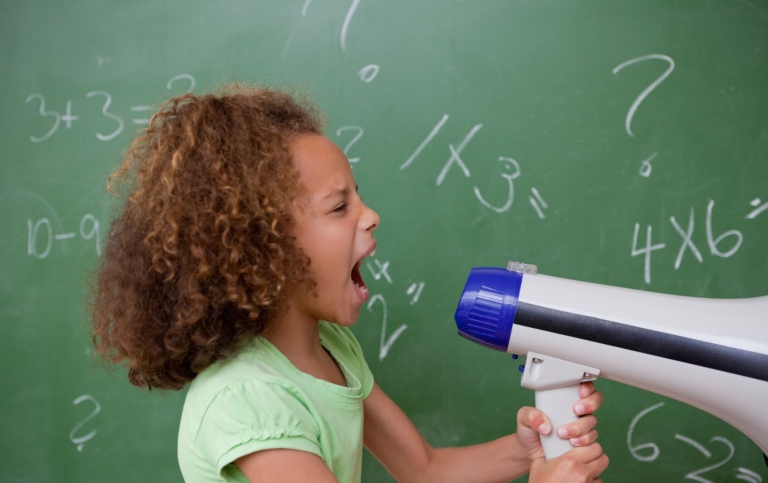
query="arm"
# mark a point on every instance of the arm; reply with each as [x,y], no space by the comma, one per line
[397,444]
[284,466]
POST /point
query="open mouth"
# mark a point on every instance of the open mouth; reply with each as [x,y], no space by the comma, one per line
[357,280]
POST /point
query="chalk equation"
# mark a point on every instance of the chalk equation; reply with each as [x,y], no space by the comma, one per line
[510,170]
[41,236]
[723,245]
[650,451]
[102,101]
[380,272]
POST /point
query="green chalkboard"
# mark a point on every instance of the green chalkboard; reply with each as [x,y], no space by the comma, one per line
[612,141]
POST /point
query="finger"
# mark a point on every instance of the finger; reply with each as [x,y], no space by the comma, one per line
[535,419]
[586,388]
[589,404]
[577,428]
[584,440]
[598,465]
[590,455]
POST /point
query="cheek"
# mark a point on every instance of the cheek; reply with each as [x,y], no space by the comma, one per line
[328,246]
[321,255]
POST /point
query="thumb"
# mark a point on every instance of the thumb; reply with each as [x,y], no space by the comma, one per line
[531,424]
[530,417]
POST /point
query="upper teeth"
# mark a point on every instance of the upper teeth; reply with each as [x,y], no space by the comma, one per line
[372,253]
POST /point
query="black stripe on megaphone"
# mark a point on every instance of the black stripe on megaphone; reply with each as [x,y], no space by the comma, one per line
[661,344]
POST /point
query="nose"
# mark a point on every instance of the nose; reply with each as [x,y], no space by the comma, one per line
[370,219]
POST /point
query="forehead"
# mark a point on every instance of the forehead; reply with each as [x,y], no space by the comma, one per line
[322,166]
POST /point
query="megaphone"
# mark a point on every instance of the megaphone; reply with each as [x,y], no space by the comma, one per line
[572,331]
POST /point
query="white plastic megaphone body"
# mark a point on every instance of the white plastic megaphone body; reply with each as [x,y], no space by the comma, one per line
[709,353]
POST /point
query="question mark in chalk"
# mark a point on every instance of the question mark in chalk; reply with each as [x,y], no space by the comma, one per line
[645,170]
[81,440]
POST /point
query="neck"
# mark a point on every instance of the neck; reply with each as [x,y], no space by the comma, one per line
[297,337]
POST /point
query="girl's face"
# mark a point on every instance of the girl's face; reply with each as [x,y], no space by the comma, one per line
[334,228]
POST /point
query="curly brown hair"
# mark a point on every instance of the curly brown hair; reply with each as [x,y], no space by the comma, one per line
[201,251]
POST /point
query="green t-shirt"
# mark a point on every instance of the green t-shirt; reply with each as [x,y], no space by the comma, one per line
[258,400]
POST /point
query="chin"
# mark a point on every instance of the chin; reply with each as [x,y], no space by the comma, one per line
[348,321]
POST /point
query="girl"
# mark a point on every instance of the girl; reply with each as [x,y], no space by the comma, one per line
[234,268]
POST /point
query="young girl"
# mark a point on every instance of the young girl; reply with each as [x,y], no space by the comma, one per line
[234,268]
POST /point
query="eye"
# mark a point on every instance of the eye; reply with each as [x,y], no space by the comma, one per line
[340,208]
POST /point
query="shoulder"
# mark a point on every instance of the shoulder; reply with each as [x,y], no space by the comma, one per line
[247,386]
[258,402]
[252,362]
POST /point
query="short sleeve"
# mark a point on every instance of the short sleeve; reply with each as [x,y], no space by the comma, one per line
[254,415]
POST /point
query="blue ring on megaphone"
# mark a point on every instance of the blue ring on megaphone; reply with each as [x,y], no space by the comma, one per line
[486,310]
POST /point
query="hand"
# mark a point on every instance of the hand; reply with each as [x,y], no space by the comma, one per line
[579,465]
[531,422]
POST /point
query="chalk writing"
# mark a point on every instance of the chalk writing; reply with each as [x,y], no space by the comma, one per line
[696,475]
[636,104]
[352,142]
[415,291]
[638,451]
[305,7]
[382,270]
[114,123]
[182,77]
[68,118]
[106,113]
[510,166]
[386,342]
[347,20]
[426,141]
[141,108]
[510,177]
[368,73]
[79,441]
[538,203]
[645,165]
[687,243]
[724,246]
[44,113]
[748,475]
[635,449]
[455,158]
[40,236]
[759,208]
[645,251]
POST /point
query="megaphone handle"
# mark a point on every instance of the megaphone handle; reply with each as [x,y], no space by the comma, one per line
[557,404]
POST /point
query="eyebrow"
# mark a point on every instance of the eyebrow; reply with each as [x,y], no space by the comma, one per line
[342,192]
